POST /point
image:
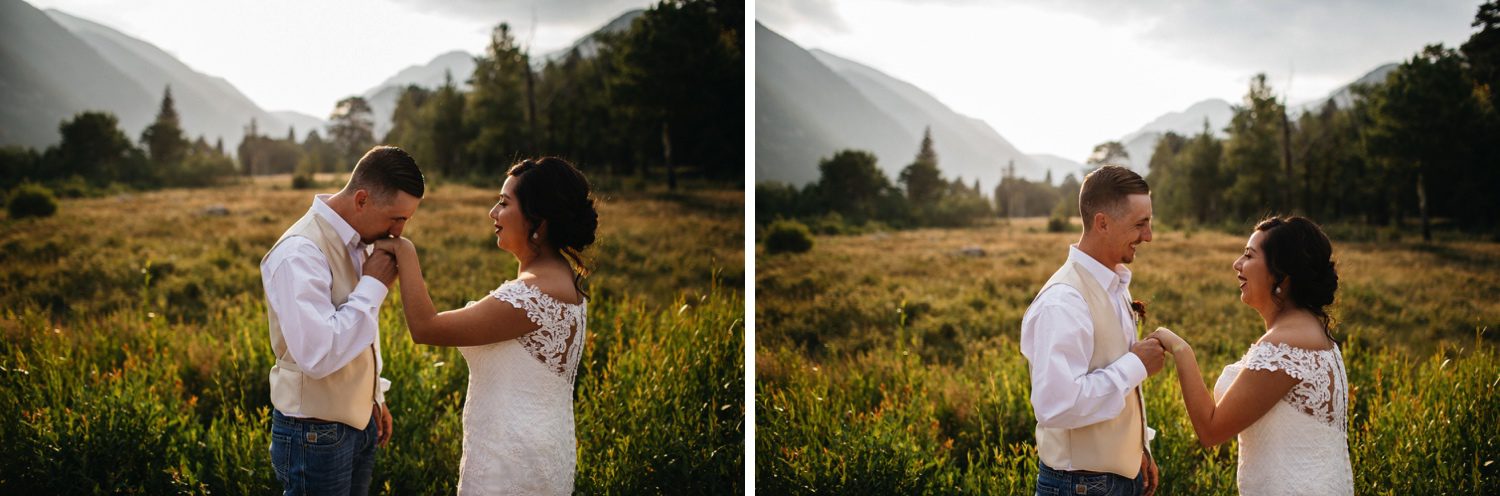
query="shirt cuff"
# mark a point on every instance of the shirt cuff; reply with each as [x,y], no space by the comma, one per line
[373,288]
[385,385]
[1131,368]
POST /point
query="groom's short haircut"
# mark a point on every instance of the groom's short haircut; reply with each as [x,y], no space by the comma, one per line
[1106,190]
[387,169]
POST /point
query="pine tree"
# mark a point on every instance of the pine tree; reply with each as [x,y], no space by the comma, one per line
[922,179]
[164,140]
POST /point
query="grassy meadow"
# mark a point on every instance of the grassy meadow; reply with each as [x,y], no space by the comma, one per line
[889,363]
[135,351]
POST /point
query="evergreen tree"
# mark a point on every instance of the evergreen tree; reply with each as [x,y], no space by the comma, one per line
[852,185]
[1483,51]
[1252,154]
[1429,121]
[922,179]
[94,148]
[1109,153]
[164,140]
[497,106]
[351,128]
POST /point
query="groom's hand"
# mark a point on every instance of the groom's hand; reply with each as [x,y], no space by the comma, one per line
[1151,473]
[381,265]
[382,425]
[1149,350]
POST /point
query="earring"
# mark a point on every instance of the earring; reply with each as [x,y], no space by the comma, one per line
[533,235]
[1277,291]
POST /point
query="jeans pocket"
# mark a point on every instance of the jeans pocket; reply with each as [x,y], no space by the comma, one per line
[281,454]
[1097,484]
[325,435]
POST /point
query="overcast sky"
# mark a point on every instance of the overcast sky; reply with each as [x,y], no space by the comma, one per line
[1060,77]
[306,55]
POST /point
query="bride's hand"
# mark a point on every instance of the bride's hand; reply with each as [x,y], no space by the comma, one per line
[1170,340]
[395,246]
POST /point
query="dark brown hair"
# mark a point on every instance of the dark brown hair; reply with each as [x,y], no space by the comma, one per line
[386,169]
[1296,248]
[551,190]
[1105,190]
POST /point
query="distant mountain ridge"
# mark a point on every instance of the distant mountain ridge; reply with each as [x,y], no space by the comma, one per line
[208,105]
[59,65]
[1141,144]
[50,74]
[805,112]
[967,147]
[810,104]
[382,98]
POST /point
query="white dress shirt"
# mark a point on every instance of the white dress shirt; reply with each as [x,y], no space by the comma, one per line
[1057,338]
[320,337]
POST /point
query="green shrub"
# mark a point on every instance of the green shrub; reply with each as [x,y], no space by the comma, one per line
[788,236]
[31,200]
[1057,224]
[303,180]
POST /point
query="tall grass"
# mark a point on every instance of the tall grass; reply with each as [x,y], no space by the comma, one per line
[141,386]
[889,363]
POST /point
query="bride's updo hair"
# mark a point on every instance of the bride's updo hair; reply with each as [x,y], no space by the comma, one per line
[1296,248]
[551,190]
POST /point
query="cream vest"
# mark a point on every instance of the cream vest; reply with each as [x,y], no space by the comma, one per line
[347,395]
[1114,445]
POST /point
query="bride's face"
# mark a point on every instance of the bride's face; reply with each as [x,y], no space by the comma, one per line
[511,228]
[1255,278]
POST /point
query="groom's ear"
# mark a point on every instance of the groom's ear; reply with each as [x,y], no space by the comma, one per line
[1101,221]
[361,197]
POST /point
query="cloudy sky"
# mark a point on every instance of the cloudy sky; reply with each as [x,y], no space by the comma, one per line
[1060,77]
[306,55]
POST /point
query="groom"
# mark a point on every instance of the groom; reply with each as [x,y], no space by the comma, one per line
[323,294]
[1079,337]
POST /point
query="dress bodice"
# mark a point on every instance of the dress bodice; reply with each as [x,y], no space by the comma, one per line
[1300,446]
[518,414]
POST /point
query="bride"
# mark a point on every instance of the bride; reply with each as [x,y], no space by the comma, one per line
[524,341]
[1287,398]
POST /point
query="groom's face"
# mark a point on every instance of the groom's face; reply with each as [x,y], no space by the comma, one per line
[1125,233]
[378,218]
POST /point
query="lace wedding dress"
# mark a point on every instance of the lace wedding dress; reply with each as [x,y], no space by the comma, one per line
[1300,446]
[518,416]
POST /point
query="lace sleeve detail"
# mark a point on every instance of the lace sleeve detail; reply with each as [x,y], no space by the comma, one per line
[557,341]
[1322,390]
[525,297]
[1296,362]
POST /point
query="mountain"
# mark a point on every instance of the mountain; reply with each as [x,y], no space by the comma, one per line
[1344,96]
[809,104]
[967,147]
[208,105]
[586,46]
[50,74]
[805,112]
[382,98]
[1141,144]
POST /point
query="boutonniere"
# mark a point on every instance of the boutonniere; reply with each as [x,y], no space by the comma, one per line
[1139,308]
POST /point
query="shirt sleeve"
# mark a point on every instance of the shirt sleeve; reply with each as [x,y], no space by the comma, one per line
[320,337]
[1057,339]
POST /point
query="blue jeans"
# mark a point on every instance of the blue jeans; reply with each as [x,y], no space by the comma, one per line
[1051,482]
[314,458]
